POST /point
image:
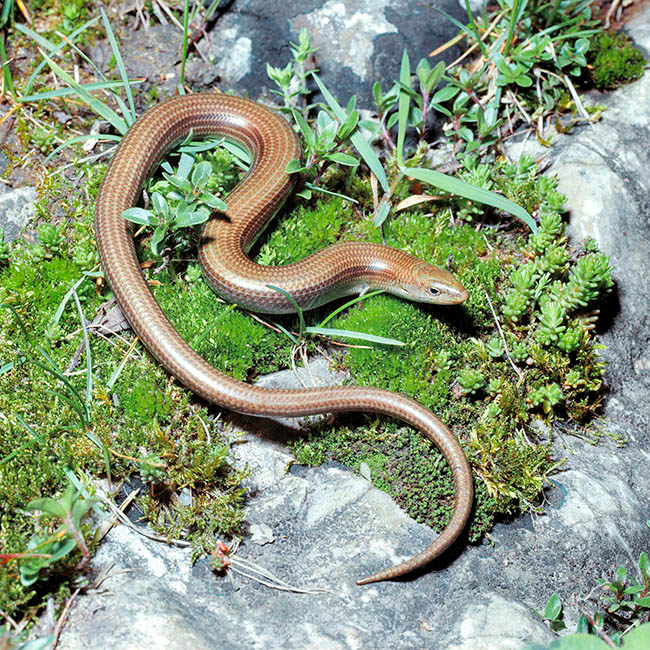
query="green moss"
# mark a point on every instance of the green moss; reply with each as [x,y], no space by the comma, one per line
[307,230]
[614,61]
[145,414]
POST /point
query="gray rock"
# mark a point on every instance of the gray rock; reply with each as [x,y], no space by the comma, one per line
[16,209]
[358,42]
[496,622]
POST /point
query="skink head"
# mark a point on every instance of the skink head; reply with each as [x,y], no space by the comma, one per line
[422,282]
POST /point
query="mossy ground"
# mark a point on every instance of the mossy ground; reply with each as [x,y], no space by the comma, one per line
[614,61]
[145,420]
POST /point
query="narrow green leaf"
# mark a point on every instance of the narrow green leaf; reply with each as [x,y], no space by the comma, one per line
[350,334]
[382,212]
[296,306]
[83,138]
[86,342]
[349,303]
[36,37]
[305,129]
[65,92]
[115,48]
[240,152]
[403,106]
[360,143]
[342,159]
[70,38]
[98,107]
[315,188]
[478,194]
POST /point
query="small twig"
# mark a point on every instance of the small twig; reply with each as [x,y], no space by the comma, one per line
[9,620]
[64,614]
[520,374]
[610,13]
[123,519]
[576,98]
[272,581]
[601,633]
[518,104]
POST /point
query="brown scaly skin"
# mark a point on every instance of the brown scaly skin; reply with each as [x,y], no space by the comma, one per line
[330,273]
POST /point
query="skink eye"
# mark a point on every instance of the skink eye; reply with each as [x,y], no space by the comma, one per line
[433,291]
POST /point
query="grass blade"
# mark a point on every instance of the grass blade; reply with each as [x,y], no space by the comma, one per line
[89,365]
[296,306]
[359,142]
[83,138]
[130,115]
[60,46]
[403,105]
[65,92]
[350,334]
[94,104]
[349,303]
[478,194]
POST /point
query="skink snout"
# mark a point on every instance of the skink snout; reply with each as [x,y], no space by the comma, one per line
[437,286]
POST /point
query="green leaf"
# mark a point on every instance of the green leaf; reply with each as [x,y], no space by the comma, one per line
[435,76]
[306,130]
[423,70]
[478,194]
[156,239]
[296,306]
[349,125]
[94,104]
[49,506]
[42,643]
[360,143]
[192,218]
[130,115]
[573,642]
[445,94]
[342,159]
[644,567]
[64,547]
[376,93]
[81,507]
[382,212]
[403,106]
[349,303]
[638,639]
[201,174]
[160,205]
[66,92]
[214,202]
[181,183]
[185,164]
[553,607]
[141,216]
[371,338]
[294,167]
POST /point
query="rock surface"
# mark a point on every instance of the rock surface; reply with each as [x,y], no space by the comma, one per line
[358,42]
